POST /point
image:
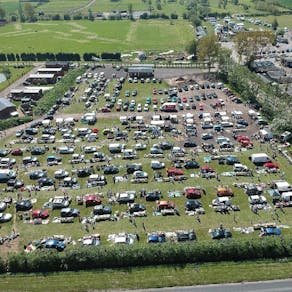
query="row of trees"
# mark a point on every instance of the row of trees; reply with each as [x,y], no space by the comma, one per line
[74,57]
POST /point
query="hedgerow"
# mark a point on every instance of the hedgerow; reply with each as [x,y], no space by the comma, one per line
[86,258]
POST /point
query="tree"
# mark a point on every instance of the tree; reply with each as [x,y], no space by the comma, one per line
[130,10]
[29,12]
[248,44]
[275,24]
[192,48]
[2,13]
[208,50]
[90,15]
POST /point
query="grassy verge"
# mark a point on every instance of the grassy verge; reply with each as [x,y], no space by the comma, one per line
[16,73]
[161,276]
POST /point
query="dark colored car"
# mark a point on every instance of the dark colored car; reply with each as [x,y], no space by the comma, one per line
[46,181]
[220,233]
[135,207]
[192,205]
[190,143]
[102,210]
[36,174]
[84,172]
[186,235]
[191,164]
[111,169]
[23,205]
[133,167]
[153,196]
[37,151]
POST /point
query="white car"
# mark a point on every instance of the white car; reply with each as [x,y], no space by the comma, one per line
[5,217]
[221,201]
[139,107]
[256,199]
[89,149]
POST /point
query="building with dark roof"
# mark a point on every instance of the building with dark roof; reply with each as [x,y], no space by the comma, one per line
[141,70]
[6,108]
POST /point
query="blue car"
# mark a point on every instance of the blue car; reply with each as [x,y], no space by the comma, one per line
[156,238]
[270,231]
[54,243]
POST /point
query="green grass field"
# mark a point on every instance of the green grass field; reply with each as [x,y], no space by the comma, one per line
[150,277]
[16,73]
[84,36]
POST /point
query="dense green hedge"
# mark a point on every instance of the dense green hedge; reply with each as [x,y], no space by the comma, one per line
[13,122]
[50,97]
[84,258]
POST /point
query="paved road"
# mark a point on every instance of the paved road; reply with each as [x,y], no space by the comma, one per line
[267,286]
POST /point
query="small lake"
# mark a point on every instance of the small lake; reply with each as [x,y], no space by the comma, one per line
[2,77]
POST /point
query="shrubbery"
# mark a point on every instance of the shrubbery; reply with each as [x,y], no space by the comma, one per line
[13,122]
[50,97]
[84,258]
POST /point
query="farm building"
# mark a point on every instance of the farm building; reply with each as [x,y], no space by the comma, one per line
[141,70]
[6,108]
[58,71]
[18,94]
[42,78]
[58,64]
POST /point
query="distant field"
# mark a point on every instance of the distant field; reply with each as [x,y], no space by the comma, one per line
[286,3]
[283,20]
[85,36]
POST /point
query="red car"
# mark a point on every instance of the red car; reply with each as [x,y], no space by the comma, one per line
[242,138]
[92,200]
[193,192]
[207,169]
[271,165]
[95,130]
[17,152]
[246,143]
[155,101]
[174,172]
[184,100]
[42,214]
[165,205]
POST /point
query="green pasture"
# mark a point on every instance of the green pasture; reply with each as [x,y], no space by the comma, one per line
[85,36]
[149,277]
[283,20]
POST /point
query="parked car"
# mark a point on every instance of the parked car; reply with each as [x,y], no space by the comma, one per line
[102,210]
[220,233]
[192,205]
[69,212]
[156,237]
[92,200]
[191,164]
[135,207]
[5,217]
[42,214]
[23,205]
[55,244]
[60,202]
[126,197]
[186,235]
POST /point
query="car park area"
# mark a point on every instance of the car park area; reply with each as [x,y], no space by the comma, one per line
[129,156]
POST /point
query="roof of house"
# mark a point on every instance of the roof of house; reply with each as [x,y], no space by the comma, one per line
[5,103]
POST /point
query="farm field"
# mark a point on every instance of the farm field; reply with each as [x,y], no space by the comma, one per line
[244,218]
[84,36]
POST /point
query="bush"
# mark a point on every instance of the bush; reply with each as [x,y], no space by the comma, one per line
[84,258]
[13,122]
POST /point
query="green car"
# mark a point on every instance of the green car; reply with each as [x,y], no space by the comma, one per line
[127,93]
[148,100]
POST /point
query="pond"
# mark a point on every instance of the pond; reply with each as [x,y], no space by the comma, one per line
[2,77]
